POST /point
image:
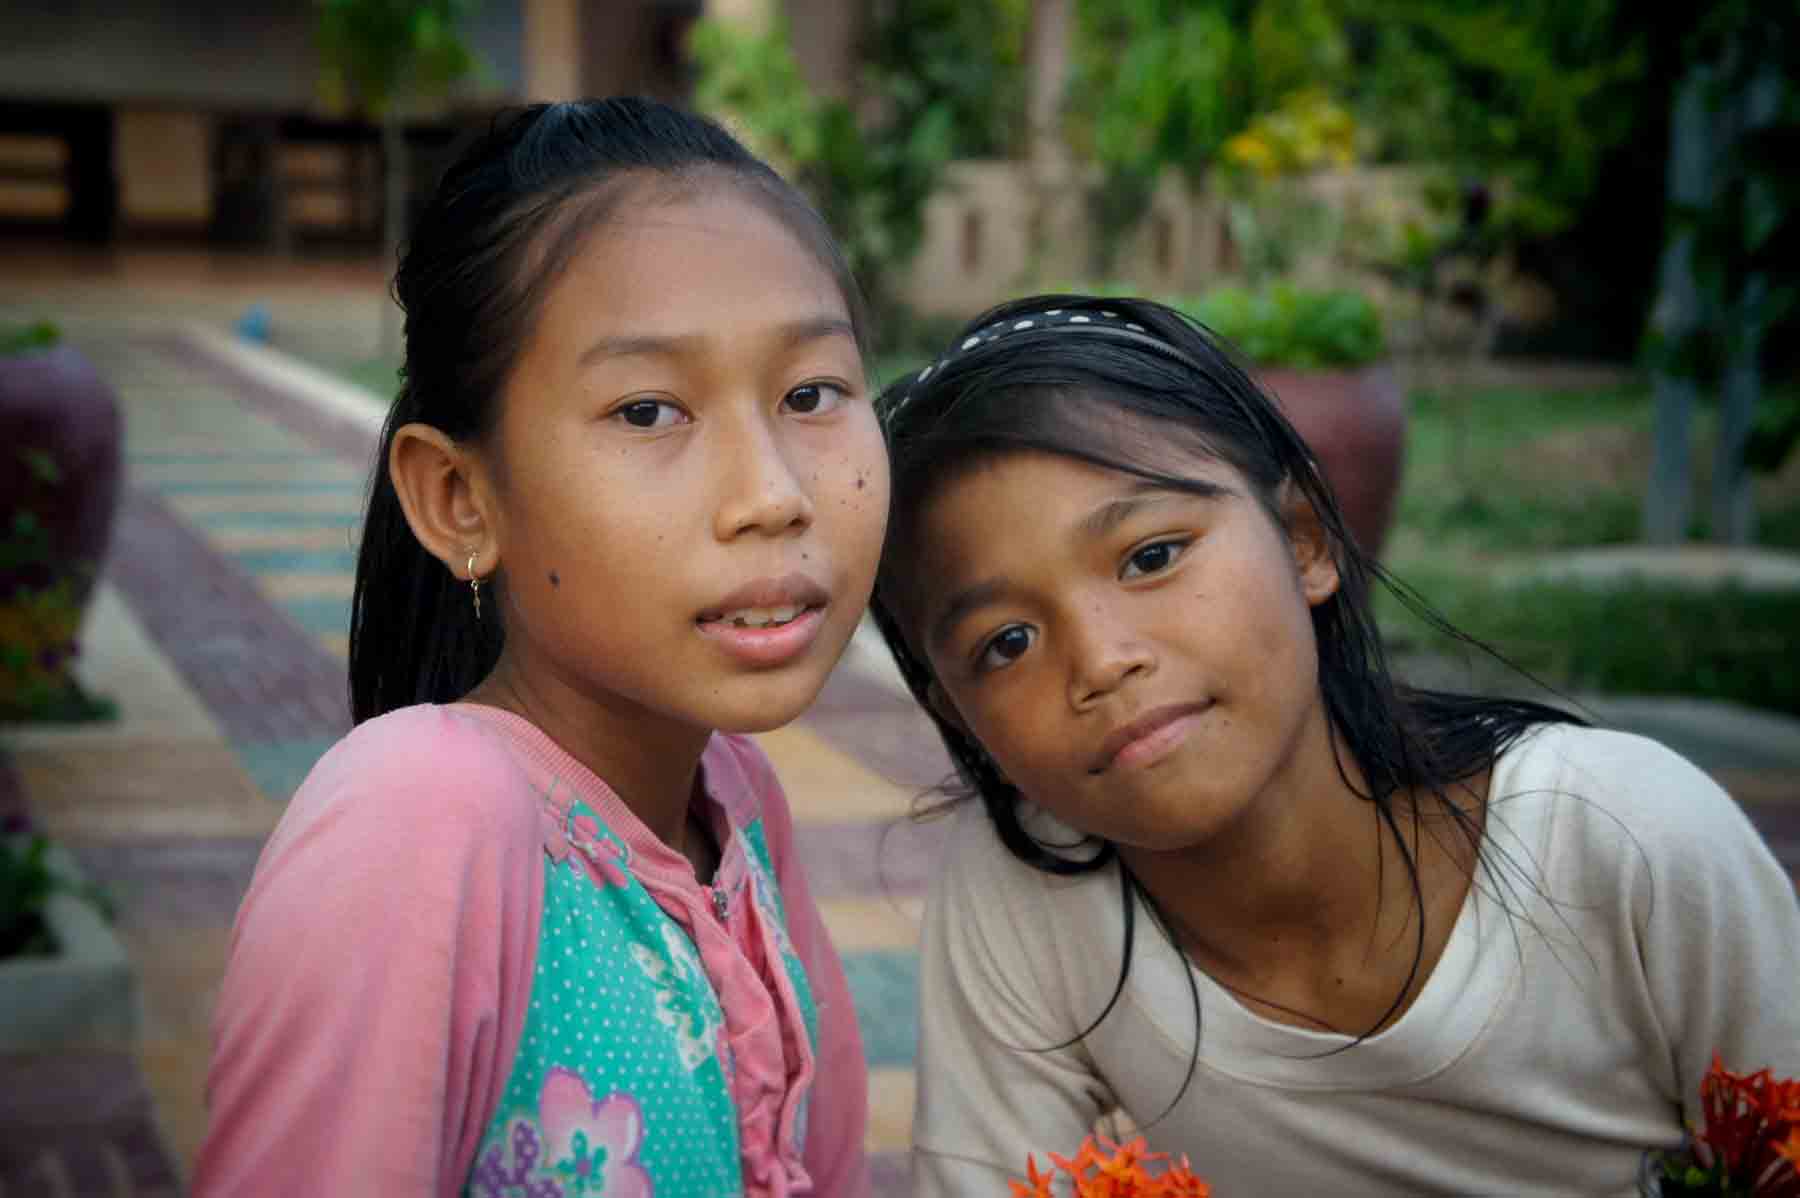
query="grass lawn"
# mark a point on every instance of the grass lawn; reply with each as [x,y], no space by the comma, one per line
[1540,471]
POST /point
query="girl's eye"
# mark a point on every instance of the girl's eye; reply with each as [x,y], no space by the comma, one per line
[651,413]
[1151,558]
[1005,647]
[815,399]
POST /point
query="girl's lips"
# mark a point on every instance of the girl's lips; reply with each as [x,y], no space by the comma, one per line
[793,590]
[1149,738]
[768,646]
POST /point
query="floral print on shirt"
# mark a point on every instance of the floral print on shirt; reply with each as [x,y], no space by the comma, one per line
[680,987]
[583,1148]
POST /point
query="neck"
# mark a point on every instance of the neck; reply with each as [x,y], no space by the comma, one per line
[1297,870]
[1305,906]
[650,762]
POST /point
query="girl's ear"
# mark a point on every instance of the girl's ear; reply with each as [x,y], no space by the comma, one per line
[445,492]
[1311,542]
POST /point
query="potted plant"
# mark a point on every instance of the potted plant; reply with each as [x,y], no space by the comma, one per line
[59,490]
[1323,355]
[65,980]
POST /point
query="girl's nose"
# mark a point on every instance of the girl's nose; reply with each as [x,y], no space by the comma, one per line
[1106,654]
[763,493]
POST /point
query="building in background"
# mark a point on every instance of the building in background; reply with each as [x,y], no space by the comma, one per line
[201,121]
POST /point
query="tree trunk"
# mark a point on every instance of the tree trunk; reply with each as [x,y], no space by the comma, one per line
[1677,317]
[1046,75]
[1047,70]
[393,222]
[1734,499]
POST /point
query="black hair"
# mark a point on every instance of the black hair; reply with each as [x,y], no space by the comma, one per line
[1101,391]
[504,220]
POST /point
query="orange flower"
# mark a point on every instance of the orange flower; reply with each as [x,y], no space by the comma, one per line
[1106,1170]
[1751,1129]
[1039,1183]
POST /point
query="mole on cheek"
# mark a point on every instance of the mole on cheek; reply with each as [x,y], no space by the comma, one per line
[554,580]
[861,482]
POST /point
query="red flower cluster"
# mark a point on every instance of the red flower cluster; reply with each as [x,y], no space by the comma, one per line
[1108,1170]
[1751,1141]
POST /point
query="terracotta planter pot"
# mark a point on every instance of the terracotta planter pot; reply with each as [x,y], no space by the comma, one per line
[1355,422]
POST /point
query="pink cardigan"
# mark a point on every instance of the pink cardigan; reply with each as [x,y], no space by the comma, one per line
[382,961]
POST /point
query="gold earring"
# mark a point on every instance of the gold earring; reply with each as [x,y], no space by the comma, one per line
[474,583]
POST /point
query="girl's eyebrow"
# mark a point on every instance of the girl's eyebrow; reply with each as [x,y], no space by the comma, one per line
[669,345]
[1144,494]
[961,604]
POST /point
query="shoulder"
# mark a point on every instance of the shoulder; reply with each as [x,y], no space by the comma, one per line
[1619,798]
[1595,773]
[424,773]
[982,885]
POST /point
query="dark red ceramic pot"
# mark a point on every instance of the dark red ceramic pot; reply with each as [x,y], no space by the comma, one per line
[1355,423]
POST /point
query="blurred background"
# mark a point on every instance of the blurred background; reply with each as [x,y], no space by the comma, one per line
[1524,272]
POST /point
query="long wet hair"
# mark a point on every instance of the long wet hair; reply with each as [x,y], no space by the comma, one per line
[503,222]
[1100,381]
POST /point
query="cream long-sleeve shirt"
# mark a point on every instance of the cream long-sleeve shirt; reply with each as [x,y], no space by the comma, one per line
[1650,926]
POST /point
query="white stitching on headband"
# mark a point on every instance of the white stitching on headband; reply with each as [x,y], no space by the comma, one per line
[1103,321]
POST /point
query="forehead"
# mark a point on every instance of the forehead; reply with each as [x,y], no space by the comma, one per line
[668,258]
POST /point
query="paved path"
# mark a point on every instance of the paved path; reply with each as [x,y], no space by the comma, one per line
[219,628]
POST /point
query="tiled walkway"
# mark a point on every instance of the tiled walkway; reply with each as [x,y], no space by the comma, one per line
[220,631]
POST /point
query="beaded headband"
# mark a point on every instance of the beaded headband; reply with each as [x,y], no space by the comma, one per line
[1083,320]
[1086,321]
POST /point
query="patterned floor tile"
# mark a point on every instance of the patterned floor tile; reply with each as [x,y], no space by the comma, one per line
[278,767]
[80,1127]
[892,859]
[825,783]
[891,1093]
[880,922]
[160,788]
[885,986]
[258,671]
[336,561]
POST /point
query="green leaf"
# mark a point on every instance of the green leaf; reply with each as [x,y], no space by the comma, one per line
[29,339]
[41,466]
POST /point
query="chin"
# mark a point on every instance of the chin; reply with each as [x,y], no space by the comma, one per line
[767,706]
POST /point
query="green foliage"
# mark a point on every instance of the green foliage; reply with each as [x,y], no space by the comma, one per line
[379,55]
[40,620]
[1158,83]
[28,339]
[1629,638]
[1287,326]
[1559,470]
[963,60]
[870,180]
[756,79]
[27,884]
[1748,224]
[1774,432]
[1529,96]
